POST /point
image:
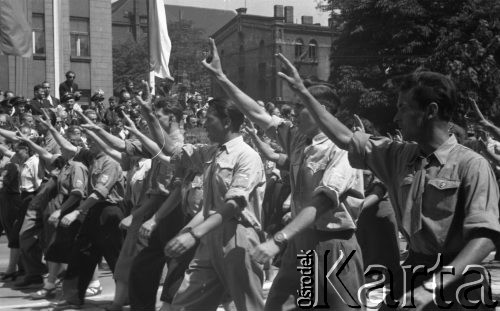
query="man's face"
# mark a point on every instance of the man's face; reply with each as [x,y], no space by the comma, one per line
[306,123]
[21,108]
[193,122]
[29,121]
[23,154]
[409,118]
[93,146]
[46,89]
[3,120]
[214,127]
[70,78]
[92,117]
[75,139]
[112,104]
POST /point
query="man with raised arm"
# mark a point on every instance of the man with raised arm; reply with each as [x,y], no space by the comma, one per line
[444,195]
[326,195]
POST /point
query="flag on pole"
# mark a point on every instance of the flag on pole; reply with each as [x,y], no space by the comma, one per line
[159,41]
[15,31]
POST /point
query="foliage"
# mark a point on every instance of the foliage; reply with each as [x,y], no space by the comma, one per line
[130,59]
[380,39]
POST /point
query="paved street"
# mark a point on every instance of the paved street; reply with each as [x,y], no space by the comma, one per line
[18,300]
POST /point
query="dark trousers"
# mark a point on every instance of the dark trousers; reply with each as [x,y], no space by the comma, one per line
[31,235]
[99,236]
[377,235]
[145,273]
[10,205]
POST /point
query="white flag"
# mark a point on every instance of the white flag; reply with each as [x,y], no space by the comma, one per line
[159,41]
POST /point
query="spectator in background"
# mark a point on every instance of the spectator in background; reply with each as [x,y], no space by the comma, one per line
[38,102]
[53,102]
[111,114]
[287,112]
[9,94]
[272,109]
[68,86]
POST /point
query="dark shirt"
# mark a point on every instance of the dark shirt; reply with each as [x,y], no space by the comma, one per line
[66,88]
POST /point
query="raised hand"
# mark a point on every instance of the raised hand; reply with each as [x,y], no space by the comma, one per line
[129,124]
[398,136]
[250,128]
[212,62]
[293,79]
[145,101]
[482,120]
[21,136]
[358,124]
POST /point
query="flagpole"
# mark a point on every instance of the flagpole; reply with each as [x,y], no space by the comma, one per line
[151,75]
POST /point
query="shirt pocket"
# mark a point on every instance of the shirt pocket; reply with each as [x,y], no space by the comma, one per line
[225,173]
[440,198]
[405,188]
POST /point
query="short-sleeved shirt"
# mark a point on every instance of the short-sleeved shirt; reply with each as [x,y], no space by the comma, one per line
[137,172]
[106,178]
[460,191]
[73,178]
[161,173]
[233,171]
[319,166]
[31,174]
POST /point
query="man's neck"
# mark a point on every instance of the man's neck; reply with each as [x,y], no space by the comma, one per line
[230,136]
[437,135]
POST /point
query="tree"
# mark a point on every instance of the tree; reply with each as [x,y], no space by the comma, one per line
[380,39]
[130,59]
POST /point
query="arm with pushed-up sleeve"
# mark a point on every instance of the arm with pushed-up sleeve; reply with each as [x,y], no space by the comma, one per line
[111,173]
[114,154]
[338,179]
[380,155]
[268,152]
[79,182]
[246,177]
[151,146]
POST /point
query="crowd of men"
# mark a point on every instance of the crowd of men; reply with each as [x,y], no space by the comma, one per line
[235,194]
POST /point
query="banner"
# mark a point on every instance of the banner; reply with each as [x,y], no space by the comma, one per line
[15,31]
[159,41]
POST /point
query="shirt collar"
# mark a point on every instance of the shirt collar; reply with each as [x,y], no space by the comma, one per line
[442,153]
[319,138]
[229,146]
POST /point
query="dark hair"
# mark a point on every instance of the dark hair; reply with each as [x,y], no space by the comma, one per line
[286,111]
[326,95]
[37,87]
[226,109]
[170,106]
[427,87]
[67,97]
[70,72]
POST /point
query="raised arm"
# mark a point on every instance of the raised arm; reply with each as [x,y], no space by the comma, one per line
[245,103]
[6,151]
[329,124]
[151,146]
[109,139]
[44,154]
[65,145]
[116,155]
[9,134]
[487,125]
[267,151]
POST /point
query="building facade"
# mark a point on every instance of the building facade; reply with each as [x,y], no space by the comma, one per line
[247,45]
[67,35]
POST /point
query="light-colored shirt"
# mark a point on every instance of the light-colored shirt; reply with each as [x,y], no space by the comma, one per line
[319,166]
[233,171]
[31,174]
[460,193]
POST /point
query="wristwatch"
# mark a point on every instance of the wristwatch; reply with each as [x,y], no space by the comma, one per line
[280,239]
[190,231]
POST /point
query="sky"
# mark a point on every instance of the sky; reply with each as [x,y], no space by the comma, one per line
[261,7]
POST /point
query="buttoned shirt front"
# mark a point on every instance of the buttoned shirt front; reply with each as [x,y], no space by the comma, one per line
[73,178]
[319,166]
[233,171]
[460,193]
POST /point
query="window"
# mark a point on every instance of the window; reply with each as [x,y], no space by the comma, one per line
[80,38]
[299,44]
[313,49]
[38,34]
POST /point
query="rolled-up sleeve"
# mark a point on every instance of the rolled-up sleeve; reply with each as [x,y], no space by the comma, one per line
[133,147]
[481,199]
[248,174]
[79,179]
[379,154]
[340,179]
[110,175]
[196,156]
